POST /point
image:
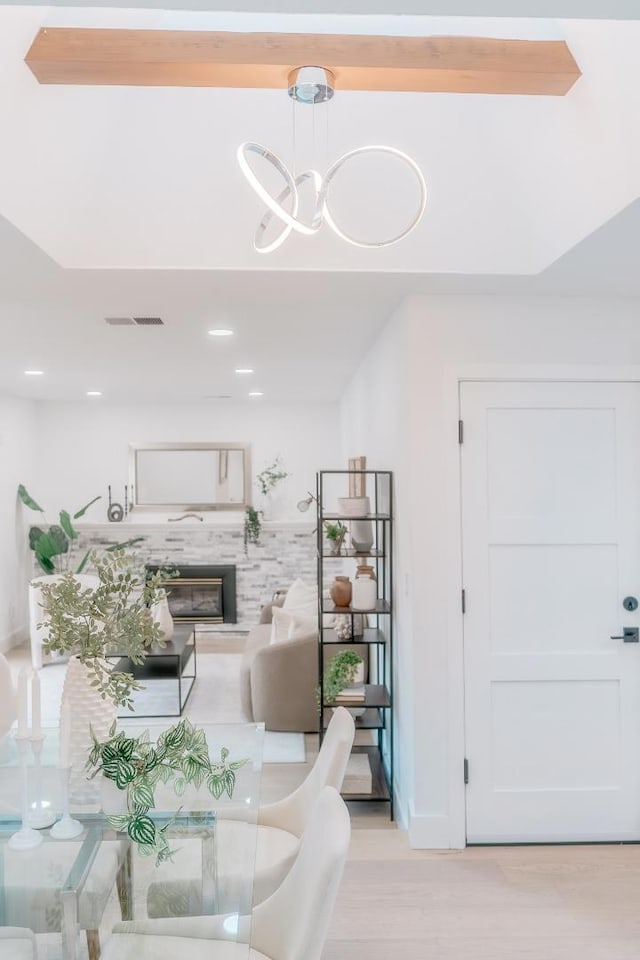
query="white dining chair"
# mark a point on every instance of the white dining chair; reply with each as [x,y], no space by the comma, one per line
[17,943]
[292,924]
[280,827]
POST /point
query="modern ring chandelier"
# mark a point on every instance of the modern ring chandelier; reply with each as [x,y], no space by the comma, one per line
[310,86]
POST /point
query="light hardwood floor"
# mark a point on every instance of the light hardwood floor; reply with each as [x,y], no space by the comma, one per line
[482,903]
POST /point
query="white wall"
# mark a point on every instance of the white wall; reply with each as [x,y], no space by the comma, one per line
[424,349]
[374,423]
[17,460]
[447,334]
[89,445]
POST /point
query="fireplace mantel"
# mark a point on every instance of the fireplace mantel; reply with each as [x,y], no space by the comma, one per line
[286,551]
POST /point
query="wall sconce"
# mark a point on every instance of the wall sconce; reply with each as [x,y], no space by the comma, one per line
[303,505]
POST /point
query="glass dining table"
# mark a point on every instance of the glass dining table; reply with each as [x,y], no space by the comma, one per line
[61,898]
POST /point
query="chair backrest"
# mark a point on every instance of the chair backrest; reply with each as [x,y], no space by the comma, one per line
[292,923]
[293,811]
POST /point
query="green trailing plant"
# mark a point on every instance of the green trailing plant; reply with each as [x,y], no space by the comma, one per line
[252,526]
[113,617]
[270,476]
[180,756]
[339,673]
[52,544]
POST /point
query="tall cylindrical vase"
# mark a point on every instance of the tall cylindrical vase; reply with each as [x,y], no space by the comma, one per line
[87,709]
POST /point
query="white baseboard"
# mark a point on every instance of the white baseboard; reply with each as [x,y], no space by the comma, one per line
[13,639]
[430,831]
[400,810]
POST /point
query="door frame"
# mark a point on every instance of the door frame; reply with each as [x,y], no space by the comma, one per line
[454,377]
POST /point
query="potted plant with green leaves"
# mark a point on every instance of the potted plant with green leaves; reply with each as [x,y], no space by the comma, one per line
[335,534]
[134,766]
[52,545]
[343,676]
[111,618]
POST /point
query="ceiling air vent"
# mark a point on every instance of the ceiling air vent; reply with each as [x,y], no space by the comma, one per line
[149,321]
[119,321]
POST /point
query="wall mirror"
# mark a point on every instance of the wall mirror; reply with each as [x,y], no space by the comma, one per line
[190,476]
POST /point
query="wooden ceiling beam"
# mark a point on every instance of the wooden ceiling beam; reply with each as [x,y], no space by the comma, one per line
[172,58]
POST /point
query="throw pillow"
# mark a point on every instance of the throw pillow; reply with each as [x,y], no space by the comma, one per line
[302,600]
[300,594]
[291,626]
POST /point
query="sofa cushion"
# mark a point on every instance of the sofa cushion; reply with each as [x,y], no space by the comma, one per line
[286,625]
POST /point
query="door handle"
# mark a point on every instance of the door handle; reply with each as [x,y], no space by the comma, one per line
[629,635]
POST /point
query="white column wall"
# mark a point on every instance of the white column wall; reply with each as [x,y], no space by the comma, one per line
[17,465]
[374,423]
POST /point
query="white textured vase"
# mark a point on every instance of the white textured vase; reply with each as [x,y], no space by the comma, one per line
[162,616]
[87,708]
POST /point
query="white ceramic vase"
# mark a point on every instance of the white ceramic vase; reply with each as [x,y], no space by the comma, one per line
[357,680]
[162,616]
[361,536]
[354,506]
[87,709]
[364,594]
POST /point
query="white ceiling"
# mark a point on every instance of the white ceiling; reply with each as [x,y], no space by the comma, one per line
[116,201]
[569,9]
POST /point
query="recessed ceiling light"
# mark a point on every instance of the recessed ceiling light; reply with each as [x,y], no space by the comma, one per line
[34,373]
[244,370]
[94,393]
[221,332]
[256,393]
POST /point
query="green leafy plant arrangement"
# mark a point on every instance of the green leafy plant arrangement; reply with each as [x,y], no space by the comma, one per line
[340,672]
[136,765]
[113,617]
[270,476]
[52,546]
[252,526]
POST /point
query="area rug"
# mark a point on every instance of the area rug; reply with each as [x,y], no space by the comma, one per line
[215,698]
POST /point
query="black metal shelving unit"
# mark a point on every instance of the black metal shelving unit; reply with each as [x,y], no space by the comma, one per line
[378,633]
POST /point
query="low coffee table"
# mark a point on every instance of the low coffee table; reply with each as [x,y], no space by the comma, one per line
[168,675]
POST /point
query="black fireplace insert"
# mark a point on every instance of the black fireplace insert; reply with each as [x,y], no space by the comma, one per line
[200,593]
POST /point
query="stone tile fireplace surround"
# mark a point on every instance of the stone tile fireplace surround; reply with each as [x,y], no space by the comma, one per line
[286,551]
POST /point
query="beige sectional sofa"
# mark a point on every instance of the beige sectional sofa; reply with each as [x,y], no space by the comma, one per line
[279,681]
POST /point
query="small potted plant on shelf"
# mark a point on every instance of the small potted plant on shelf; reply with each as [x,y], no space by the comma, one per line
[343,677]
[134,766]
[335,534]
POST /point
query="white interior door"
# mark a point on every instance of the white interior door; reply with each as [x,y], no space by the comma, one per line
[551,547]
